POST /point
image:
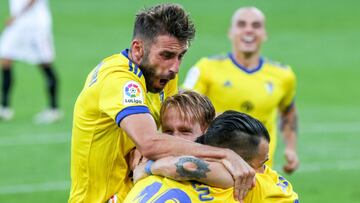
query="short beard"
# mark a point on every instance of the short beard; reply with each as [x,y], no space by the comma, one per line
[149,73]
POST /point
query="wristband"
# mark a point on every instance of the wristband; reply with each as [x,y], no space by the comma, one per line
[148,167]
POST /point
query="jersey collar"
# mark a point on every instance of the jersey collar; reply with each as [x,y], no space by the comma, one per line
[243,68]
[125,52]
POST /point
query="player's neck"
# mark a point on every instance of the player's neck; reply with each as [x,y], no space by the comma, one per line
[248,61]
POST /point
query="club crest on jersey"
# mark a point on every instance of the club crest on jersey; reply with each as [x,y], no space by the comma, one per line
[133,93]
[269,86]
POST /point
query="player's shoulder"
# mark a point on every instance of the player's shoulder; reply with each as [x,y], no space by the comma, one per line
[114,59]
[279,68]
[218,57]
[276,64]
[210,62]
[121,64]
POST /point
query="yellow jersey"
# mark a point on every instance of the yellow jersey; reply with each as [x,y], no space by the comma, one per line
[113,90]
[261,92]
[270,188]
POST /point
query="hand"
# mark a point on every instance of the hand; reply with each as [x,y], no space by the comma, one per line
[292,161]
[139,172]
[243,174]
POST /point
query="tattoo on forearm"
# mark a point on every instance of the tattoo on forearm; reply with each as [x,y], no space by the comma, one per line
[290,123]
[200,171]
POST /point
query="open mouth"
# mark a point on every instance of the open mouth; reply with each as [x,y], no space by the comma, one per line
[163,81]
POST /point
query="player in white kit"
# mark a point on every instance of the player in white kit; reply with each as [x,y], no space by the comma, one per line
[28,37]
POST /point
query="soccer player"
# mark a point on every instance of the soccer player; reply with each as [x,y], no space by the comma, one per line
[112,115]
[28,37]
[245,81]
[237,131]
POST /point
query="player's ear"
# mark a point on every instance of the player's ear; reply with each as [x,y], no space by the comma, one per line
[265,36]
[137,50]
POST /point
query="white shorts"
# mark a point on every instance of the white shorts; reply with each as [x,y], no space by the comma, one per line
[28,43]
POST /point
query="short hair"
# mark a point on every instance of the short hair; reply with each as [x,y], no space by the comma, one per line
[236,131]
[164,19]
[191,106]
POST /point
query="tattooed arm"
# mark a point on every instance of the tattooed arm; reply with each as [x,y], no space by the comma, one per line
[184,168]
[289,131]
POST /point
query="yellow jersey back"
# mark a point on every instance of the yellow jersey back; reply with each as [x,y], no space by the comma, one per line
[270,188]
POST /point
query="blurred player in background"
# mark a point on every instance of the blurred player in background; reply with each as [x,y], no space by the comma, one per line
[112,113]
[28,37]
[234,130]
[246,82]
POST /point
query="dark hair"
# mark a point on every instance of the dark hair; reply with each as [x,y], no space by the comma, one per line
[191,106]
[164,19]
[236,131]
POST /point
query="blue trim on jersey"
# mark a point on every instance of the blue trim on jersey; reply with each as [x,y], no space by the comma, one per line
[261,62]
[140,74]
[130,111]
[130,66]
[135,70]
[125,53]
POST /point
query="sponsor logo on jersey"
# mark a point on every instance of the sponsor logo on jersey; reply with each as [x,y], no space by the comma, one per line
[133,93]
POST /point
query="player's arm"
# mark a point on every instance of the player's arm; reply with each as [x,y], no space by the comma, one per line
[11,19]
[153,145]
[289,122]
[289,125]
[183,168]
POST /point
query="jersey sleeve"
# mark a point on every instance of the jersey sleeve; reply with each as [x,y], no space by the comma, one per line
[122,96]
[290,91]
[196,78]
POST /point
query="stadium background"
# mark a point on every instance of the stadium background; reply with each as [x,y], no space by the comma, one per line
[319,39]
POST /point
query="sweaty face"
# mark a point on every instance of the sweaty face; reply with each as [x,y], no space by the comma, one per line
[262,156]
[247,31]
[161,62]
[173,124]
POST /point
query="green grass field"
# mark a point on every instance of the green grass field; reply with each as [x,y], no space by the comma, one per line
[319,39]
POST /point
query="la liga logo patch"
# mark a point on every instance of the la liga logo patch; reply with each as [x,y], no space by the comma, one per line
[133,93]
[132,90]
